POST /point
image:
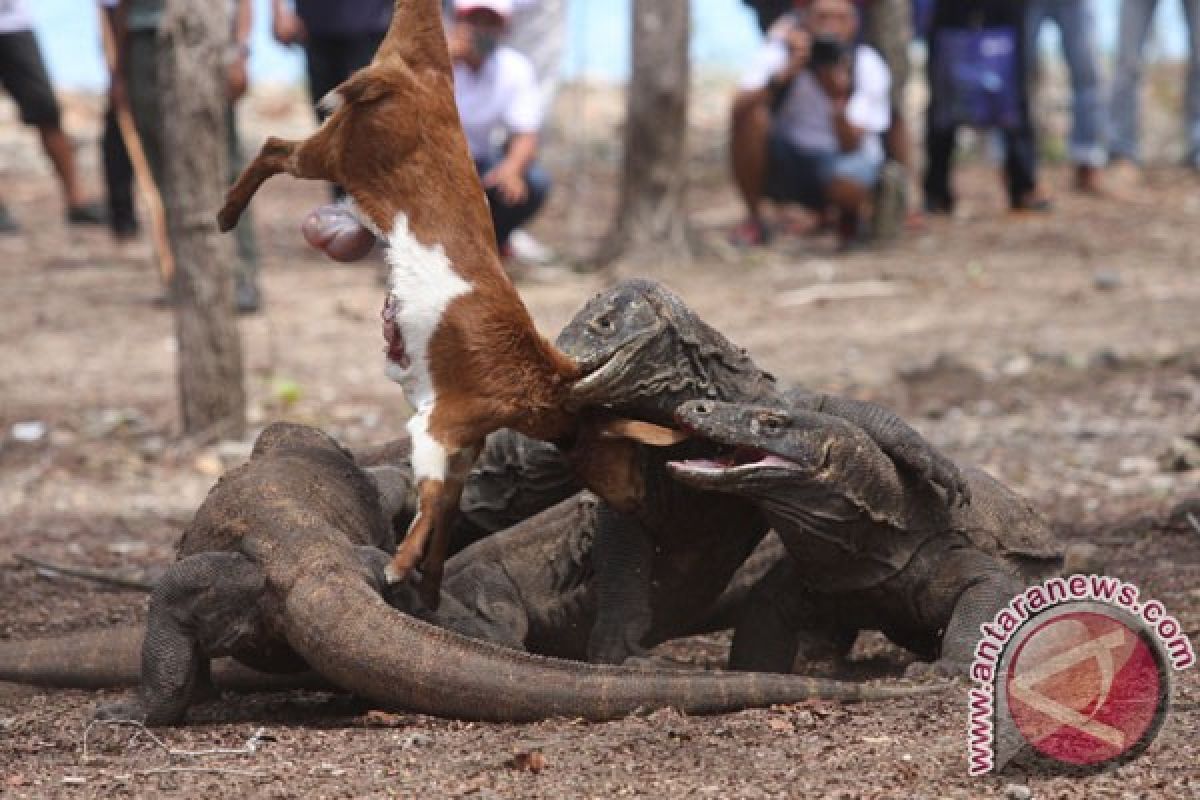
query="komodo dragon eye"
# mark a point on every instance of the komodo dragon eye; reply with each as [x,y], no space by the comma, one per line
[604,323]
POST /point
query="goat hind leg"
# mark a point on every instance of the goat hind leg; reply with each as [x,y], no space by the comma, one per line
[440,471]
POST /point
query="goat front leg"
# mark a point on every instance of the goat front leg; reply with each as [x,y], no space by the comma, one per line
[440,473]
[276,156]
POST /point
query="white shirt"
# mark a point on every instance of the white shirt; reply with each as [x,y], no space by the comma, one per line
[806,116]
[14,16]
[502,96]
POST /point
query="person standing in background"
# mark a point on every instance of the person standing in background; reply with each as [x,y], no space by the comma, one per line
[960,20]
[497,96]
[1077,30]
[118,171]
[136,82]
[23,73]
[339,37]
[1136,16]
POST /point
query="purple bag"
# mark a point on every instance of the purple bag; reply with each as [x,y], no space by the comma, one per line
[975,78]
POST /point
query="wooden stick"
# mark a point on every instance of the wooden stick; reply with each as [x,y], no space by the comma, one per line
[142,174]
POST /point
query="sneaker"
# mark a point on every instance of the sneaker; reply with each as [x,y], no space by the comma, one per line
[750,232]
[8,223]
[891,202]
[87,214]
[528,249]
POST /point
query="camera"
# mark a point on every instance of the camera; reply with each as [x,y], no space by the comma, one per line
[826,51]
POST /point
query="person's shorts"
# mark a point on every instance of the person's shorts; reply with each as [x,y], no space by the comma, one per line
[796,175]
[24,76]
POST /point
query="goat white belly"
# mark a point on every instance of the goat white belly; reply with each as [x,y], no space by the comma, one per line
[422,284]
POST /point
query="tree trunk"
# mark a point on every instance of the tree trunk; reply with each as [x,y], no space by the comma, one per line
[651,218]
[194,41]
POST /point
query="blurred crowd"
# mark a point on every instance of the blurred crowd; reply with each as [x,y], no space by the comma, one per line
[818,121]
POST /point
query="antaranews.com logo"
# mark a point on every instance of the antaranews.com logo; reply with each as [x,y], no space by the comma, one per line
[1074,675]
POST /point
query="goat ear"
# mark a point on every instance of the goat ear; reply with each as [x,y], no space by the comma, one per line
[416,37]
[362,87]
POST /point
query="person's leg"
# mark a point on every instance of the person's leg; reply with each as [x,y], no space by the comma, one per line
[1076,23]
[322,67]
[1191,111]
[118,179]
[940,137]
[751,130]
[245,274]
[939,151]
[1020,141]
[852,177]
[359,50]
[142,86]
[26,79]
[507,217]
[1134,26]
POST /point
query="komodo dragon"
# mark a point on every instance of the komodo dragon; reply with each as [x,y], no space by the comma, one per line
[656,570]
[643,352]
[281,568]
[873,548]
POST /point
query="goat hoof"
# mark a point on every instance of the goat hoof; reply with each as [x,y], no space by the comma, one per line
[227,219]
[394,575]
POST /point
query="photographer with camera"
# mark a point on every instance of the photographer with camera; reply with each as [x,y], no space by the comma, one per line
[808,119]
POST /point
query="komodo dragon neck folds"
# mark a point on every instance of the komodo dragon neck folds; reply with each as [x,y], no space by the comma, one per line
[281,568]
[872,547]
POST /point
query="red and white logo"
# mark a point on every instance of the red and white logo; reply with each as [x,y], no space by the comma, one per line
[1085,687]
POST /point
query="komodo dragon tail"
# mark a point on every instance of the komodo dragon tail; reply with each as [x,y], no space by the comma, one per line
[345,631]
[112,658]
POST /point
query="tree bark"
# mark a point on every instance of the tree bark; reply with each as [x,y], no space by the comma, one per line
[651,218]
[193,45]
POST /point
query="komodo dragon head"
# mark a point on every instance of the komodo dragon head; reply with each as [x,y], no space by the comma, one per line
[643,352]
[760,448]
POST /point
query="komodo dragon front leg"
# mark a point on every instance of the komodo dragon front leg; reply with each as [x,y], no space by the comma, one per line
[204,606]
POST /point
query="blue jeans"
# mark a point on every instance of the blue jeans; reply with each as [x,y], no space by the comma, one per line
[1077,29]
[506,217]
[1136,16]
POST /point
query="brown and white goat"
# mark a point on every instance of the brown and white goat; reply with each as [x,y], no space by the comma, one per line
[459,339]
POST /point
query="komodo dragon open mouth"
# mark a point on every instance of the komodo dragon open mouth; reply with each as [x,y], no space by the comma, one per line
[729,461]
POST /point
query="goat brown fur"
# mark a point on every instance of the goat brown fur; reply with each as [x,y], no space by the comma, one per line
[394,142]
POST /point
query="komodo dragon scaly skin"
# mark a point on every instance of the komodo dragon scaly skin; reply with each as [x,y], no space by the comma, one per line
[280,568]
[872,547]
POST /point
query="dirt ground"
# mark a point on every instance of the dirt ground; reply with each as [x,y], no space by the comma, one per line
[1060,352]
